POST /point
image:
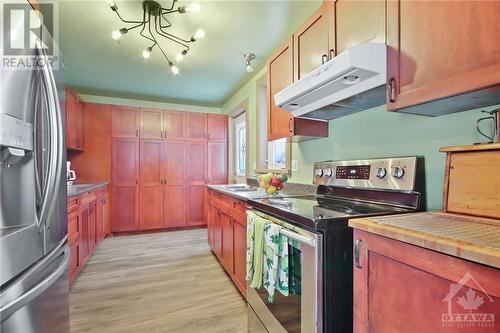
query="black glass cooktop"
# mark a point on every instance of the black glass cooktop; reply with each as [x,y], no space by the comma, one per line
[321,208]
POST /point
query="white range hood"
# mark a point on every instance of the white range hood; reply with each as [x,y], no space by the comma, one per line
[351,82]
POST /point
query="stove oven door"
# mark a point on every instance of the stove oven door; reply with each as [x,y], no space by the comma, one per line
[301,311]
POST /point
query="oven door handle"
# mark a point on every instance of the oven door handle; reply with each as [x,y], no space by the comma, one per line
[300,238]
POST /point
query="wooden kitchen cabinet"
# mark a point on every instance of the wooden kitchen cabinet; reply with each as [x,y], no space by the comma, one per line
[85,235]
[314,41]
[151,124]
[226,228]
[74,121]
[151,176]
[217,127]
[279,76]
[174,125]
[281,123]
[196,180]
[124,184]
[103,218]
[240,251]
[359,22]
[217,163]
[74,236]
[125,122]
[432,56]
[392,275]
[175,184]
[196,126]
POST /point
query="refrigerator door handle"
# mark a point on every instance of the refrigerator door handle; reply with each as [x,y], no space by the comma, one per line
[36,291]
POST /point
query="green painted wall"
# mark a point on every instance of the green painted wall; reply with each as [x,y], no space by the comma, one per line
[374,133]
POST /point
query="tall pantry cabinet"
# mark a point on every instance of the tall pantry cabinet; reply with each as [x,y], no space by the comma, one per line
[161,164]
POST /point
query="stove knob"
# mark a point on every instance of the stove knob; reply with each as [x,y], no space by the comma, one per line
[381,172]
[318,172]
[398,172]
[328,173]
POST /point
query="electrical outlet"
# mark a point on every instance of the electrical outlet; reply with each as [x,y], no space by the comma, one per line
[295,165]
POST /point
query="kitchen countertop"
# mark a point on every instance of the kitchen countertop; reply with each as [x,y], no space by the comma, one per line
[472,238]
[261,193]
[77,189]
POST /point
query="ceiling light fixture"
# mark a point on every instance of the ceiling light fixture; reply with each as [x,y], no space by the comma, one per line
[154,23]
[248,61]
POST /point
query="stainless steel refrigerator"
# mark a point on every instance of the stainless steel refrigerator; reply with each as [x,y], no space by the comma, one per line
[33,217]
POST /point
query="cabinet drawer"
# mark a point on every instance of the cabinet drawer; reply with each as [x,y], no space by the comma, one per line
[87,197]
[222,200]
[239,207]
[102,191]
[73,204]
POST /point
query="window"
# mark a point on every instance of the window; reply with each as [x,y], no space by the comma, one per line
[271,155]
[240,134]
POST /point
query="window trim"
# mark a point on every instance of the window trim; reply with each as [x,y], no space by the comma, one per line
[235,112]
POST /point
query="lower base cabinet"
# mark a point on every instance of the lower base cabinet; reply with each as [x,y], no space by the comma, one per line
[88,224]
[399,287]
[226,227]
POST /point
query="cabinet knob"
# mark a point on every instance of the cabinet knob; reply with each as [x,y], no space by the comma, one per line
[332,53]
[357,251]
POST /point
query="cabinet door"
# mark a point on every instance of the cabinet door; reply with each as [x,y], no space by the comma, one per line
[173,125]
[196,126]
[195,204]
[175,184]
[210,227]
[92,223]
[70,119]
[389,272]
[105,216]
[312,42]
[125,190]
[85,236]
[217,163]
[441,48]
[279,75]
[151,124]
[240,251]
[217,127]
[359,22]
[217,231]
[227,241]
[79,123]
[125,122]
[151,184]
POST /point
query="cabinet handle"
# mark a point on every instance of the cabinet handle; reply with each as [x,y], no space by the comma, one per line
[357,250]
[332,53]
[324,59]
[392,90]
[137,132]
[290,124]
[136,182]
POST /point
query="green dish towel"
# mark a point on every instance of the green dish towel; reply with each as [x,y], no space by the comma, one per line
[255,249]
[276,261]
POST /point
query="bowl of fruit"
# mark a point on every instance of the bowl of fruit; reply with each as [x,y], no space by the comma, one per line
[272,182]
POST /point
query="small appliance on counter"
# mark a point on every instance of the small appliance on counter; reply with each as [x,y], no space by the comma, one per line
[320,242]
[70,174]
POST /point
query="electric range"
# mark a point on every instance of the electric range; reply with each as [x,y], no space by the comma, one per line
[347,189]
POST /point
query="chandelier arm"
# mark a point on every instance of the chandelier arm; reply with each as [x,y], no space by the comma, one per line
[144,27]
[161,49]
[168,36]
[171,7]
[136,26]
[165,26]
[126,21]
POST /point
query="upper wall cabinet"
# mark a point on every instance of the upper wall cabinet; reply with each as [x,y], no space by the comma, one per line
[74,121]
[439,49]
[151,123]
[217,127]
[196,126]
[125,122]
[358,22]
[314,41]
[173,125]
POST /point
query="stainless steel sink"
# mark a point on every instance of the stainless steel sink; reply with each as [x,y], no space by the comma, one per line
[240,188]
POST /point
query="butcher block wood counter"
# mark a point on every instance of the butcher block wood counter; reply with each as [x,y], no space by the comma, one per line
[417,272]
[466,237]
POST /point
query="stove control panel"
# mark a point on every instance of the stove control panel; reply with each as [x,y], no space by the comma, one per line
[385,173]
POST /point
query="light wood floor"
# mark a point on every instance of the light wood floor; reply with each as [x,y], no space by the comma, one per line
[162,282]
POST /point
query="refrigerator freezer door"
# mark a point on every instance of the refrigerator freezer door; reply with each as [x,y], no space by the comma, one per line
[38,302]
